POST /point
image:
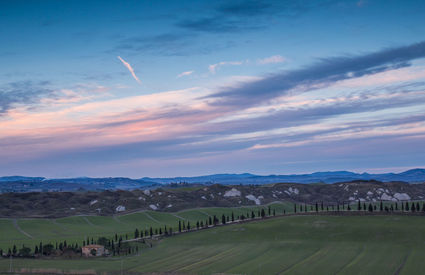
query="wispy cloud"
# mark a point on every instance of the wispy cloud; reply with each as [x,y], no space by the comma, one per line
[271,60]
[322,73]
[214,67]
[185,74]
[23,93]
[128,66]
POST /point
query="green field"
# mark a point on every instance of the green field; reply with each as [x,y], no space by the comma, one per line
[30,232]
[290,245]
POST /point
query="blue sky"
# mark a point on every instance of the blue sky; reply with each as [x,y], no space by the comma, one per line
[167,88]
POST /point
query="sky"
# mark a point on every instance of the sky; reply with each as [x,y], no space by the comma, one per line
[184,88]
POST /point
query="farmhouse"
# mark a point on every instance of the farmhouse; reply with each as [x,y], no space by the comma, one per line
[93,250]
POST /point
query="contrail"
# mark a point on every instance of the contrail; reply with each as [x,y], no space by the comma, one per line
[129,68]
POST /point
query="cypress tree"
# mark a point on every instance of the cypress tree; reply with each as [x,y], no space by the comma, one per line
[136,233]
[407,206]
[317,207]
[396,206]
[359,206]
[413,207]
[417,206]
[364,206]
[402,206]
[322,206]
[180,226]
[188,226]
[252,215]
[295,208]
[274,212]
[423,207]
[223,219]
[263,213]
[151,232]
[233,217]
[197,224]
[370,207]
[381,206]
[270,211]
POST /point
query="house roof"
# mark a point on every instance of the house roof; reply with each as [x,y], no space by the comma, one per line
[91,246]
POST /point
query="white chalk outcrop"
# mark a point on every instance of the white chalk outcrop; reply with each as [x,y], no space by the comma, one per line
[402,196]
[253,198]
[232,193]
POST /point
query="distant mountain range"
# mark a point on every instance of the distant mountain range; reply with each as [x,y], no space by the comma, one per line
[40,184]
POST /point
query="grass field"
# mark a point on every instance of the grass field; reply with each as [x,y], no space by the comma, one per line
[30,232]
[290,245]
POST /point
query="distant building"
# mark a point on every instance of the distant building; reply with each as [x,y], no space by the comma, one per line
[93,250]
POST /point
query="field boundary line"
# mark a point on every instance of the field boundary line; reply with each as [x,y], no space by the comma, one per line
[201,263]
[89,222]
[400,267]
[61,225]
[353,260]
[301,261]
[179,217]
[152,218]
[203,212]
[16,225]
[250,259]
[118,220]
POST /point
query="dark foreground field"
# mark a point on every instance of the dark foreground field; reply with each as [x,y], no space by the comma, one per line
[287,245]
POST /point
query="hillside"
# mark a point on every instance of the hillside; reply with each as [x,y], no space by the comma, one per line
[60,204]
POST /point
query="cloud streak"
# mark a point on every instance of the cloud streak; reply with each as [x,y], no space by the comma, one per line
[271,60]
[213,68]
[130,69]
[185,74]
